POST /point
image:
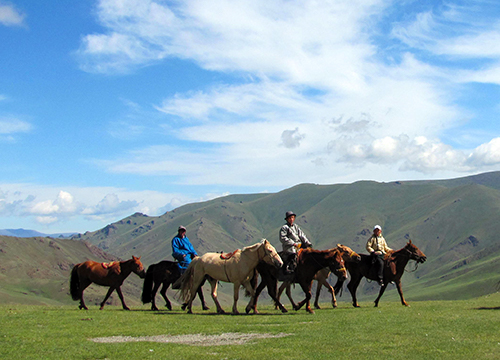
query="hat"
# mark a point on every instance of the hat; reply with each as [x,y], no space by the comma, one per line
[288,214]
[377,227]
[181,228]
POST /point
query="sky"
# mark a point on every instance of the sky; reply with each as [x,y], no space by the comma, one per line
[111,107]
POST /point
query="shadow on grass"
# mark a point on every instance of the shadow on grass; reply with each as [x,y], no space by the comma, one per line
[488,308]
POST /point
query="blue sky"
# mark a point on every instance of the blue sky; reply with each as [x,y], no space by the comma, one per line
[116,106]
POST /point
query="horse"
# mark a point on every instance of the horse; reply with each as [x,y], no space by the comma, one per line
[237,269]
[348,255]
[394,266]
[163,273]
[309,262]
[112,275]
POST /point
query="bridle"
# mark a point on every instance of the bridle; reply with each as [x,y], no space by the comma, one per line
[274,256]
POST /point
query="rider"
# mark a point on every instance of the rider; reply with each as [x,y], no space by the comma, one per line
[291,237]
[377,247]
[182,250]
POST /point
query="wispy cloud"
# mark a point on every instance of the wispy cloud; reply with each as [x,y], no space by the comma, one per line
[309,82]
[10,16]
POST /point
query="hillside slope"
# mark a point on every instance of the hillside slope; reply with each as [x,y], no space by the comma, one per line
[37,271]
[453,221]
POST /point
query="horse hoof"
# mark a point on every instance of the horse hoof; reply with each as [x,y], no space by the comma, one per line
[183,307]
[317,307]
[284,310]
[206,308]
[126,308]
[310,311]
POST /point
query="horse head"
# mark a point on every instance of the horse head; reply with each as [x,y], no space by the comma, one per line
[348,254]
[337,265]
[415,253]
[270,254]
[137,267]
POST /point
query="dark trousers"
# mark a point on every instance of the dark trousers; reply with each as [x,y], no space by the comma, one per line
[378,263]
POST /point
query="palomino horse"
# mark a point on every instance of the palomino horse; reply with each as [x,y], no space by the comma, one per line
[348,255]
[237,269]
[309,263]
[394,266]
[163,273]
[113,275]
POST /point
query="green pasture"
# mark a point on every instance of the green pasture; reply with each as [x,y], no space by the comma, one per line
[462,329]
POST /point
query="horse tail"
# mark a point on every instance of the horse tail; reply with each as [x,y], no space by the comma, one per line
[338,287]
[147,288]
[74,284]
[186,281]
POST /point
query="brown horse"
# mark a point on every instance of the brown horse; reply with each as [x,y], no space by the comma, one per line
[348,255]
[112,275]
[394,266]
[163,274]
[309,262]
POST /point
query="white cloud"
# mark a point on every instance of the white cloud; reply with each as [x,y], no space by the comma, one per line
[10,125]
[309,82]
[10,16]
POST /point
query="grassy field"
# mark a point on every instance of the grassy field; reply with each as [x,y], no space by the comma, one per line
[426,330]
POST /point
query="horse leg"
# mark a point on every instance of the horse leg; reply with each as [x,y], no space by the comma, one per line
[202,298]
[236,295]
[119,291]
[153,296]
[326,284]
[83,286]
[307,301]
[163,293]
[381,292]
[352,286]
[272,288]
[288,287]
[213,283]
[252,304]
[111,289]
[400,291]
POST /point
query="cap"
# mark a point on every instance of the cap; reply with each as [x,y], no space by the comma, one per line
[288,214]
[181,228]
[377,227]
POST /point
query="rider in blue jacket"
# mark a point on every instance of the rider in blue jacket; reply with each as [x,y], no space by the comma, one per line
[182,249]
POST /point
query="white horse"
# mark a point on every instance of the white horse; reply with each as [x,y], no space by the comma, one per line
[238,268]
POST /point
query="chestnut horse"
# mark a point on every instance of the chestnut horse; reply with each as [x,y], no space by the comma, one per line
[237,269]
[348,255]
[309,262]
[394,266]
[163,273]
[111,275]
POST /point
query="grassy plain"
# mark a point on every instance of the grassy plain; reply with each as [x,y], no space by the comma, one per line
[427,330]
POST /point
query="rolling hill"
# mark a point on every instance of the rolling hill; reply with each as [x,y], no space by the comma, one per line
[37,271]
[455,222]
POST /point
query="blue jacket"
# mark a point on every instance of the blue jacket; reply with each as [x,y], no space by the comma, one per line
[180,247]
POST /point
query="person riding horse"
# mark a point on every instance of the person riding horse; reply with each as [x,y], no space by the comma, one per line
[291,238]
[377,247]
[182,249]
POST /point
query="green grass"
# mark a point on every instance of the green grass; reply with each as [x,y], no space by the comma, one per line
[426,330]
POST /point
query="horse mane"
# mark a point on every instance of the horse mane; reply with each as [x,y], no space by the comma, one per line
[251,247]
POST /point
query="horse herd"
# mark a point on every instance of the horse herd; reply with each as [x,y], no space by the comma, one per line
[241,268]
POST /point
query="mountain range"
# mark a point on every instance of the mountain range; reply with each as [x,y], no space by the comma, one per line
[454,222]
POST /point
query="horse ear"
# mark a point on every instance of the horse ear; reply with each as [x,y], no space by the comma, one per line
[409,242]
[339,245]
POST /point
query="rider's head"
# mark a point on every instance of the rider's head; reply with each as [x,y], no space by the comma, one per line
[290,217]
[377,230]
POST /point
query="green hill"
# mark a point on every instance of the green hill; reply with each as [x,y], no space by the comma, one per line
[453,221]
[37,271]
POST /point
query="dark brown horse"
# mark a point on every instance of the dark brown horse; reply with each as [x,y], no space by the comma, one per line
[163,274]
[394,266]
[111,275]
[309,262]
[321,277]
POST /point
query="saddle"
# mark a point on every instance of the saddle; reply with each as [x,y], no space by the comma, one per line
[114,265]
[227,256]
